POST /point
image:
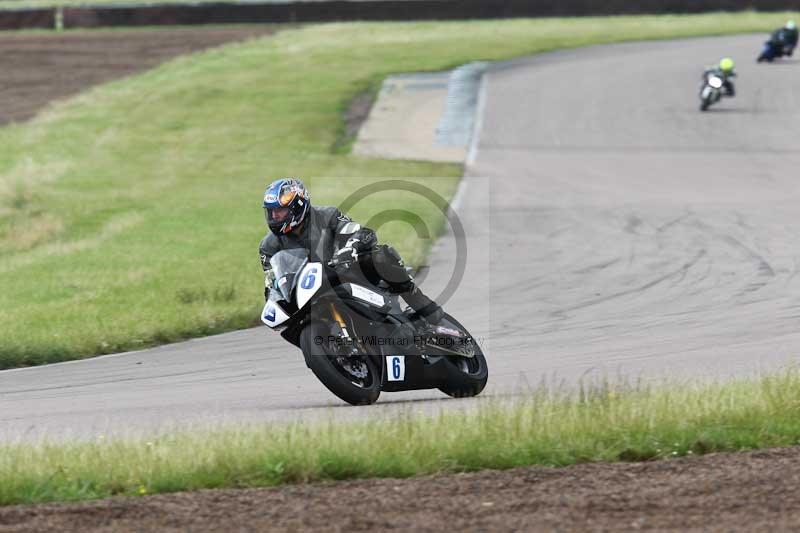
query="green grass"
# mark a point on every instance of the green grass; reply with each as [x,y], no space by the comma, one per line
[545,428]
[129,215]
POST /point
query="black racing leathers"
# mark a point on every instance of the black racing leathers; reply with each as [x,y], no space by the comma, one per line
[326,230]
[785,38]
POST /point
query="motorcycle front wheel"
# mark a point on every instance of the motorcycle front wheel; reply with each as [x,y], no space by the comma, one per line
[356,380]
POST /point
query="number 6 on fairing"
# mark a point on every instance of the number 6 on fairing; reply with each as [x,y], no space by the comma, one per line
[396,367]
[310,279]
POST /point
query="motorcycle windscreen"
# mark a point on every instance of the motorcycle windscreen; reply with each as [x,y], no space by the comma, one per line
[285,265]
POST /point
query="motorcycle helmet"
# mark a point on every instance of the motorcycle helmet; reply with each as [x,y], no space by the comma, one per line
[286,204]
[791,25]
[726,65]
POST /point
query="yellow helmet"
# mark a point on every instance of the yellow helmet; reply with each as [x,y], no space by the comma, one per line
[726,64]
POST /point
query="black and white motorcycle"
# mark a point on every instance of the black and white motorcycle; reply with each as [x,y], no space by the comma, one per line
[356,338]
[711,91]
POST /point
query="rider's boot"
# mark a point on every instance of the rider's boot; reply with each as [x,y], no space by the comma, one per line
[387,265]
[423,306]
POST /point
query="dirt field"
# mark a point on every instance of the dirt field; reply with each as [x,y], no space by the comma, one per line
[39,68]
[753,491]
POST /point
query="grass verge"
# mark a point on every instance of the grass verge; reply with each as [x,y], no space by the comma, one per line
[546,428]
[129,216]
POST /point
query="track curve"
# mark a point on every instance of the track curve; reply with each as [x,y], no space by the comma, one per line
[659,240]
[628,234]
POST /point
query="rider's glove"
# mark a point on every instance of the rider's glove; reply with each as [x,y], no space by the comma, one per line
[353,243]
[346,254]
[269,278]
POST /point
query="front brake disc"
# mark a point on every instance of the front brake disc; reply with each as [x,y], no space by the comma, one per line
[356,368]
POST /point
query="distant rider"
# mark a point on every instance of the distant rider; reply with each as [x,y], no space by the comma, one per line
[325,232]
[724,71]
[785,39]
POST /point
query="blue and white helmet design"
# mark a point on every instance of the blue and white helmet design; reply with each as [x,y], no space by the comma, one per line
[286,204]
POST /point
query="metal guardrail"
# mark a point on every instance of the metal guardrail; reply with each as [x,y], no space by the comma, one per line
[350,10]
[14,19]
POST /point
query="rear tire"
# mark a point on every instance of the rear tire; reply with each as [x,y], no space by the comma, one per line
[318,359]
[468,375]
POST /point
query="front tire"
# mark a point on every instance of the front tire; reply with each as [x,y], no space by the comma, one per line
[321,359]
[469,375]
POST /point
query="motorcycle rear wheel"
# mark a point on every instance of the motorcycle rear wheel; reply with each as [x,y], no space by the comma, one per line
[320,358]
[469,375]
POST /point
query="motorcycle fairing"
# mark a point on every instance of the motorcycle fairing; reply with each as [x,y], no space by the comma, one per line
[309,282]
[272,314]
[368,296]
[419,373]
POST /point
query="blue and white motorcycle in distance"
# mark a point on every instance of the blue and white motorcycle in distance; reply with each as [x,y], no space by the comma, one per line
[773,50]
[358,341]
[710,92]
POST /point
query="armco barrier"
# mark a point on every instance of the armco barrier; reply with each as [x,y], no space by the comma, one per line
[343,10]
[27,19]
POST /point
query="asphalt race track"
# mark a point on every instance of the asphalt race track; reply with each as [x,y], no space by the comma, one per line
[630,235]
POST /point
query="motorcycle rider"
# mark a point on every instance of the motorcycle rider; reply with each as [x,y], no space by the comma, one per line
[724,71]
[325,232]
[785,39]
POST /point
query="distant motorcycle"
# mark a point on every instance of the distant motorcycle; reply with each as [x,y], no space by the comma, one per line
[357,340]
[773,50]
[711,92]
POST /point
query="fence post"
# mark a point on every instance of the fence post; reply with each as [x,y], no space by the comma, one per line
[59,26]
